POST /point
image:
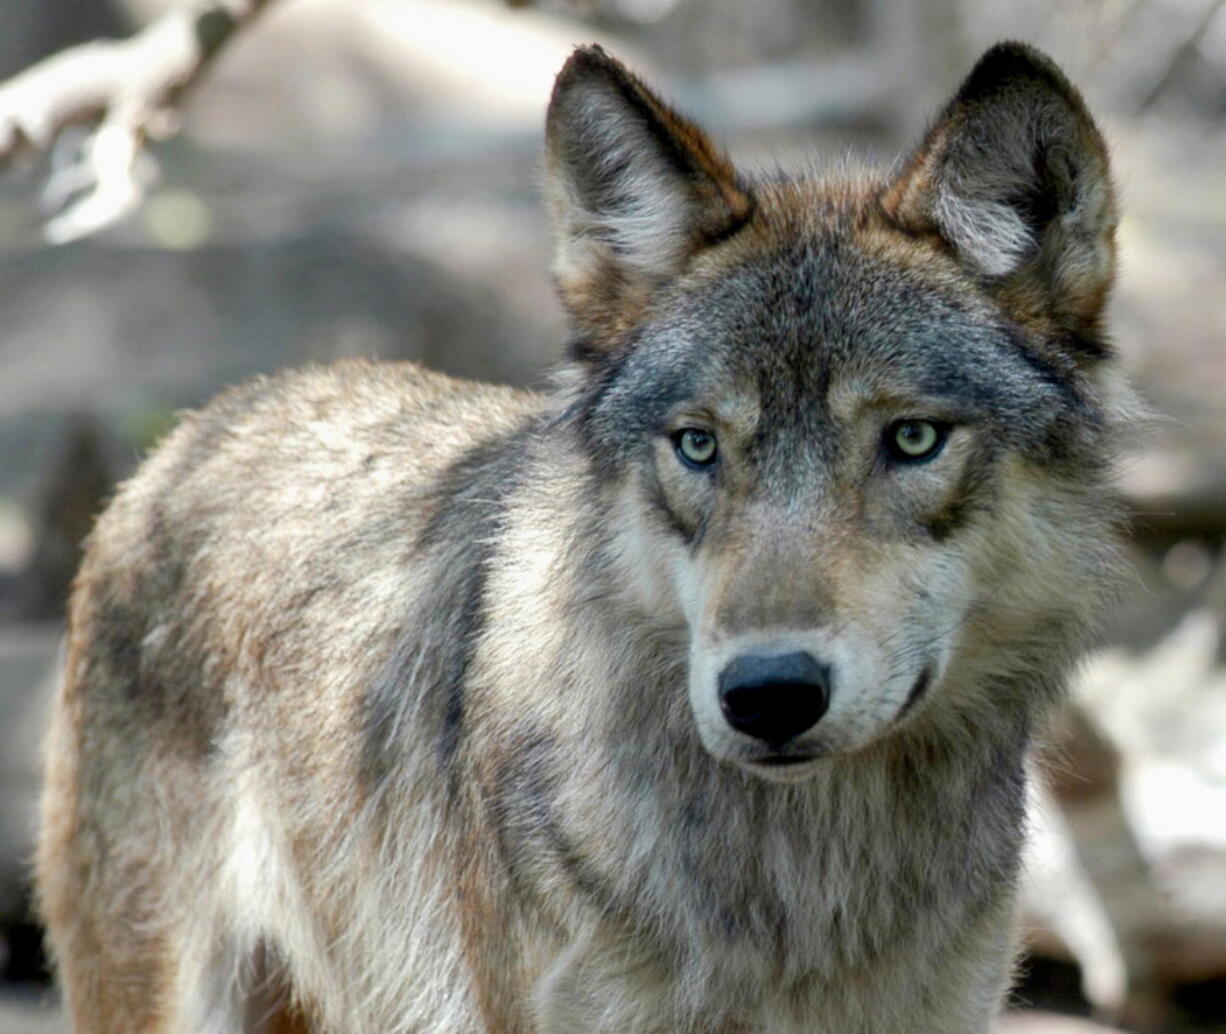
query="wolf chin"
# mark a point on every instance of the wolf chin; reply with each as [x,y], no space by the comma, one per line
[691,696]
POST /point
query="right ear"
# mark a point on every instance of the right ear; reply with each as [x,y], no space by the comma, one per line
[1014,177]
[635,191]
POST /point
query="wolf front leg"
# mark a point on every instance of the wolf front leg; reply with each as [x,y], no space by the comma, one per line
[957,991]
[983,968]
[915,986]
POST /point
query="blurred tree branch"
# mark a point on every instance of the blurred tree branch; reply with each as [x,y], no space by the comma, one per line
[1182,56]
[127,90]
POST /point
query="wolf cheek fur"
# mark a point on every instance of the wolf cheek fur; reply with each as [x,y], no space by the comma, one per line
[690,697]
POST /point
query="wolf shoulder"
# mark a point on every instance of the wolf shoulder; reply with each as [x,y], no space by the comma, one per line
[287,513]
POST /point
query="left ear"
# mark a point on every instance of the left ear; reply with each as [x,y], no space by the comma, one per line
[1014,177]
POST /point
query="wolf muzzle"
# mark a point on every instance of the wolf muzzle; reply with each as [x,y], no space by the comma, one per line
[774,699]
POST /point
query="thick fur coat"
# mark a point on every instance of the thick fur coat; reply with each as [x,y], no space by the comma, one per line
[395,703]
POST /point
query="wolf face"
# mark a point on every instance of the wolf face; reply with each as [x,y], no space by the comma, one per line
[846,422]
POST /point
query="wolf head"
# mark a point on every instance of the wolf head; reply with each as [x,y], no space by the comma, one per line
[856,430]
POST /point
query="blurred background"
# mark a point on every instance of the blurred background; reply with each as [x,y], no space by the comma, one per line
[360,178]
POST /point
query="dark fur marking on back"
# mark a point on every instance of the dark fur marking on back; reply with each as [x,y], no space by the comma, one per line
[585,877]
[422,682]
[161,685]
[524,811]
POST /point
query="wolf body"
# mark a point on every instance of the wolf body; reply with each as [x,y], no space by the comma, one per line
[690,696]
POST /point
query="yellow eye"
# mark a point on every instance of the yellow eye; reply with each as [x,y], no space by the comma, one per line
[911,440]
[696,448]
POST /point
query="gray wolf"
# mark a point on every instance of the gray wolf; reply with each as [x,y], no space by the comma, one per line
[692,695]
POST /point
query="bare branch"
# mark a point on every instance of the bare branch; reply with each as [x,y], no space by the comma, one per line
[129,88]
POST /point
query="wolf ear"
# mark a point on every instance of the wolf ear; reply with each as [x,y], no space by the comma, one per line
[635,191]
[1014,177]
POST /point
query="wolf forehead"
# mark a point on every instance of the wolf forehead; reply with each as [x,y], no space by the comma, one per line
[817,305]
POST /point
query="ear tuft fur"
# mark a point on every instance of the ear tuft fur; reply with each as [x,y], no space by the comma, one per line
[635,190]
[1014,176]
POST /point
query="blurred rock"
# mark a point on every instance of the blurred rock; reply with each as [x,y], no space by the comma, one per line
[1139,770]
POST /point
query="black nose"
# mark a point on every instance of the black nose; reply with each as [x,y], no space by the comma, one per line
[774,698]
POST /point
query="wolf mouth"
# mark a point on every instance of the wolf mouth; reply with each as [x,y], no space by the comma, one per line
[783,760]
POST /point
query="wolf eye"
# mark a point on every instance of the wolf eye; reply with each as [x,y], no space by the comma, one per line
[696,448]
[912,440]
